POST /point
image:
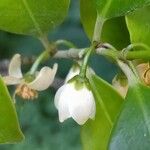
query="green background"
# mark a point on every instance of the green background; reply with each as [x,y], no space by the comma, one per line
[39,119]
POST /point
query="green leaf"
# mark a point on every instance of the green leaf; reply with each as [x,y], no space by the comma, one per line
[116,33]
[102,10]
[132,129]
[138,24]
[117,26]
[95,134]
[32,17]
[9,127]
[113,8]
[88,16]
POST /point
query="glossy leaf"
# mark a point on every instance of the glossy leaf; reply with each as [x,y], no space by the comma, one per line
[139,26]
[32,17]
[132,129]
[113,8]
[88,16]
[9,127]
[108,9]
[104,10]
[95,134]
[114,31]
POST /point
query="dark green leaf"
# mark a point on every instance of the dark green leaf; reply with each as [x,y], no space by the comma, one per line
[115,32]
[95,134]
[9,127]
[32,17]
[139,26]
[132,129]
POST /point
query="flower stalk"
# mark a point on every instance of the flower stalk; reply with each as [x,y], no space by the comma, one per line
[65,43]
[85,63]
[42,57]
[98,29]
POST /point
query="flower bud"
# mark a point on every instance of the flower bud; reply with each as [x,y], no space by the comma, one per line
[75,69]
[120,83]
[76,100]
[144,72]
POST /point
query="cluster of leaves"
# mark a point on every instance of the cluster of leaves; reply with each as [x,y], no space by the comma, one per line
[128,129]
[119,124]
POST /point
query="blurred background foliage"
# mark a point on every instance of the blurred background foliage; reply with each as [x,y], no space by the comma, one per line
[39,119]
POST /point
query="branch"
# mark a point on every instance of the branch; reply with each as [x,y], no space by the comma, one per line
[129,55]
[72,53]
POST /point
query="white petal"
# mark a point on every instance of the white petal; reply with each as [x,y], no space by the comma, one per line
[121,88]
[44,79]
[57,96]
[61,103]
[72,72]
[75,70]
[15,66]
[63,110]
[81,105]
[11,80]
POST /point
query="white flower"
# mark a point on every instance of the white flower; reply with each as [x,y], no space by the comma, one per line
[40,82]
[75,70]
[121,85]
[76,102]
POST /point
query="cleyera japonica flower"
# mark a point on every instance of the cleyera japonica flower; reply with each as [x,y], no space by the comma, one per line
[75,69]
[28,85]
[75,99]
[120,83]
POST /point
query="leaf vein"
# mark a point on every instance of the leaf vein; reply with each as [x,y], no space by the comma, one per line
[35,23]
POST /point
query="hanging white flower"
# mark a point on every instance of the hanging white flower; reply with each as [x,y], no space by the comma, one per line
[75,70]
[75,100]
[121,85]
[27,87]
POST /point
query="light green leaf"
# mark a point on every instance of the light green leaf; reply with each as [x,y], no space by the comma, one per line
[114,31]
[114,8]
[32,17]
[9,127]
[102,10]
[139,26]
[95,134]
[88,16]
[132,129]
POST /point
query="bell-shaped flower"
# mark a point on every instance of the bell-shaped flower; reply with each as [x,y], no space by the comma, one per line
[75,99]
[28,85]
[75,70]
[120,83]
